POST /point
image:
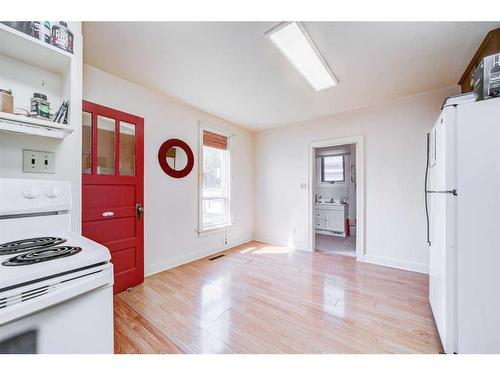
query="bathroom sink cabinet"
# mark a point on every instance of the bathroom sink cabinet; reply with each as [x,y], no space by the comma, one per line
[331,219]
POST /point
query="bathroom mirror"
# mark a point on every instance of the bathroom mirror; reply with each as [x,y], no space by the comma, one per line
[176,158]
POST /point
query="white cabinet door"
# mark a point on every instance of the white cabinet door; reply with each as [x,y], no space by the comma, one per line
[335,221]
[320,214]
[320,224]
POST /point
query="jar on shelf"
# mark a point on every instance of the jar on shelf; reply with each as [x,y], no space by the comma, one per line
[6,101]
[40,107]
[62,36]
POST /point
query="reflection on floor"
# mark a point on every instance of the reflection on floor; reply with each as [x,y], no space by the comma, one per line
[336,244]
[260,298]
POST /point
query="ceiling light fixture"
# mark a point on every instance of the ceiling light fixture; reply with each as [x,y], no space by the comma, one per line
[293,41]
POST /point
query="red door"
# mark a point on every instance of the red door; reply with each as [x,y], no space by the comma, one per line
[113,191]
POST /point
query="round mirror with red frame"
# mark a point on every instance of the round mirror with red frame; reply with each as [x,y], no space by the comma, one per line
[176,158]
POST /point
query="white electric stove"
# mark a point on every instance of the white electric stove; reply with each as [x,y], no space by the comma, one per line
[56,292]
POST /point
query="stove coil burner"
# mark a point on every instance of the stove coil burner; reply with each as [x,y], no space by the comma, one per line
[29,244]
[42,255]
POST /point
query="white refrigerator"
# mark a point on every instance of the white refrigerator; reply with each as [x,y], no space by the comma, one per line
[462,187]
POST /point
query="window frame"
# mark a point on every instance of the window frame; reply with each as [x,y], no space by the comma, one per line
[229,219]
[323,169]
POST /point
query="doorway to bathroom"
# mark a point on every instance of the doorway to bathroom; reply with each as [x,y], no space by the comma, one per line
[336,204]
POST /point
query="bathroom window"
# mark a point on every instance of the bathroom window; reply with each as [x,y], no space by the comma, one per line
[215,202]
[332,168]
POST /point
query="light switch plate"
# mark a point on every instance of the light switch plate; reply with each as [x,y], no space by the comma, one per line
[38,161]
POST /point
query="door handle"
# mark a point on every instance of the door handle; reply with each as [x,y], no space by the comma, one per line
[139,210]
[428,221]
[453,192]
[108,213]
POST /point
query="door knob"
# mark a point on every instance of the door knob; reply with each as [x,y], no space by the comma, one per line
[139,210]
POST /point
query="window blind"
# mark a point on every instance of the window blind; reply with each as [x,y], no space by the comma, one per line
[214,140]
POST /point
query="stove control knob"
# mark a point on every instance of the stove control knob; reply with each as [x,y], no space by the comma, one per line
[31,192]
[52,192]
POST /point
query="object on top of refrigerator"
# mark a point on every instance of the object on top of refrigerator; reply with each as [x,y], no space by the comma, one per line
[459,99]
[487,78]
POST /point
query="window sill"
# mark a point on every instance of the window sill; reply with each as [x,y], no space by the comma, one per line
[222,228]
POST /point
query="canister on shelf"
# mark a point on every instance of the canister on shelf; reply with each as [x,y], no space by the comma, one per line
[62,37]
[40,107]
[47,31]
[6,101]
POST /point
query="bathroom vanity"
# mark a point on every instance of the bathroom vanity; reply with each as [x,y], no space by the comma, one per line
[331,219]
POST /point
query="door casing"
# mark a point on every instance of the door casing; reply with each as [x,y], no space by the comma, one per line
[360,190]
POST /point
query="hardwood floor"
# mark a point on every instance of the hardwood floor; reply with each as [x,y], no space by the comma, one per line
[135,335]
[265,299]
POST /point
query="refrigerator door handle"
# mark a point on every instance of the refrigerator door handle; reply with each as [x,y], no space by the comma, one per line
[454,192]
[426,191]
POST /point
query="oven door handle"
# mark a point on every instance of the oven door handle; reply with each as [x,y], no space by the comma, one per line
[59,289]
[452,192]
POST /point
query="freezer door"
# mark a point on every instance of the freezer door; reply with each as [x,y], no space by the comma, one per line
[478,221]
[442,226]
[442,152]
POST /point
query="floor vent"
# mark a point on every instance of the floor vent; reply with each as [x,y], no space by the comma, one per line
[217,257]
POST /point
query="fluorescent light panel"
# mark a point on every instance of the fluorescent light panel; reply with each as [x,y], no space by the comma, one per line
[295,44]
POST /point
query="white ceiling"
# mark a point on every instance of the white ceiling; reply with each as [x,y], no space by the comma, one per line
[232,70]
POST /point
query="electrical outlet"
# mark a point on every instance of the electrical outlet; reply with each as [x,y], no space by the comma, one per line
[38,161]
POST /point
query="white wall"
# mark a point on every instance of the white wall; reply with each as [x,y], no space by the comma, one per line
[395,144]
[171,206]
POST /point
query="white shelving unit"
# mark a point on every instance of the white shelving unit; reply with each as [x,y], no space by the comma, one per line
[31,51]
[29,65]
[47,58]
[27,125]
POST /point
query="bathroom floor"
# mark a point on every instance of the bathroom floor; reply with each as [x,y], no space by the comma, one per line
[335,244]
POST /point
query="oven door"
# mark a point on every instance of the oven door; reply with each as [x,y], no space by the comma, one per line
[76,325]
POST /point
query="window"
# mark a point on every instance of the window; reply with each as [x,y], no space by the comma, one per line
[332,168]
[109,141]
[215,209]
[86,142]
